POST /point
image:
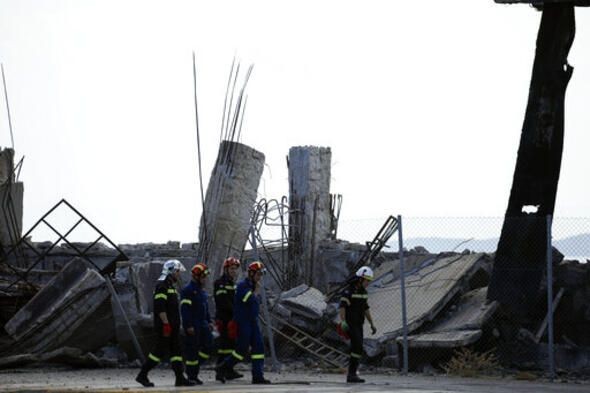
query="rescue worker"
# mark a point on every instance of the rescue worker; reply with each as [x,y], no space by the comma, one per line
[246,309]
[196,322]
[166,326]
[224,292]
[353,311]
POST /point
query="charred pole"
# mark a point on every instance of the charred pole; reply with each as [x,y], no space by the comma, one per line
[521,254]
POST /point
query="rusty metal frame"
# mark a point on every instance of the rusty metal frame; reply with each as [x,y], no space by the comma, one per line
[23,243]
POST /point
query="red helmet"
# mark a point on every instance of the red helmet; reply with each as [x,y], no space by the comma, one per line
[231,261]
[256,266]
[200,269]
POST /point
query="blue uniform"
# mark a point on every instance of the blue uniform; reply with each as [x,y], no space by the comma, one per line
[195,314]
[246,309]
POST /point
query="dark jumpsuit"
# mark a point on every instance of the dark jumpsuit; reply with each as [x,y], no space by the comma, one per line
[224,292]
[354,300]
[195,314]
[166,300]
[246,309]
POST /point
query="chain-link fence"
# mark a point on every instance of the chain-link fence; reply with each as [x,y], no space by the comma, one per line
[467,296]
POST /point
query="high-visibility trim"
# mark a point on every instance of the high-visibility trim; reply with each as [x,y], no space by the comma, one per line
[160,296]
[220,291]
[345,300]
[257,356]
[247,296]
[176,359]
[237,355]
[225,351]
[186,301]
[230,287]
[203,355]
[154,358]
[192,362]
[359,296]
[171,290]
[356,355]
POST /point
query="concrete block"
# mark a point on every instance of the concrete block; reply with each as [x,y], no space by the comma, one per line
[309,304]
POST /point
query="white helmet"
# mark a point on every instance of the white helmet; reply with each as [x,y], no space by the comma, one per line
[170,267]
[365,272]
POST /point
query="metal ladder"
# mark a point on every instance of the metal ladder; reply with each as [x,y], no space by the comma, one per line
[373,248]
[324,352]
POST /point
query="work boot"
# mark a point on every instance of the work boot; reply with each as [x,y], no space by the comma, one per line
[232,374]
[195,380]
[142,378]
[182,381]
[354,379]
[260,381]
[193,374]
[220,373]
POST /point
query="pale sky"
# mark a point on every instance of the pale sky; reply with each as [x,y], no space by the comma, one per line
[422,103]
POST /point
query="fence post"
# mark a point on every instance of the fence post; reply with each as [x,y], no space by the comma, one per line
[403,293]
[550,301]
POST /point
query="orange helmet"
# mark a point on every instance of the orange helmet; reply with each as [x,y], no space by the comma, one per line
[256,266]
[231,261]
[200,269]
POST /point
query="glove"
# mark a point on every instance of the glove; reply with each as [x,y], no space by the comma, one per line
[190,331]
[373,329]
[341,332]
[344,326]
[232,330]
[166,330]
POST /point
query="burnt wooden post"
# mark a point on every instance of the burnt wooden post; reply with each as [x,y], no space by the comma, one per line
[521,254]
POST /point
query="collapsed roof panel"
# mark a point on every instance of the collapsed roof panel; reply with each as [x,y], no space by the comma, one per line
[428,291]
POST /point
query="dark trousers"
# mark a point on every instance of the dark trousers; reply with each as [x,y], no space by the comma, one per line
[225,345]
[356,347]
[249,337]
[197,350]
[165,347]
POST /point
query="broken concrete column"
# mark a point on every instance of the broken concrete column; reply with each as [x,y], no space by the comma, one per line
[229,203]
[309,220]
[11,200]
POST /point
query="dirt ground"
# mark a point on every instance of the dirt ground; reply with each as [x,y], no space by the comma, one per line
[122,380]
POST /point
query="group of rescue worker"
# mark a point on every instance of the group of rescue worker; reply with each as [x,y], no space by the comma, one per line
[236,322]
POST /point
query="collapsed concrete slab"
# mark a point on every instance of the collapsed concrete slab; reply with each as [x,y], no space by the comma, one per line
[428,291]
[461,326]
[389,271]
[229,202]
[57,313]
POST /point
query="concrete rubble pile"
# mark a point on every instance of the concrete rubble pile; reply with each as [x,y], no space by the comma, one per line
[73,319]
